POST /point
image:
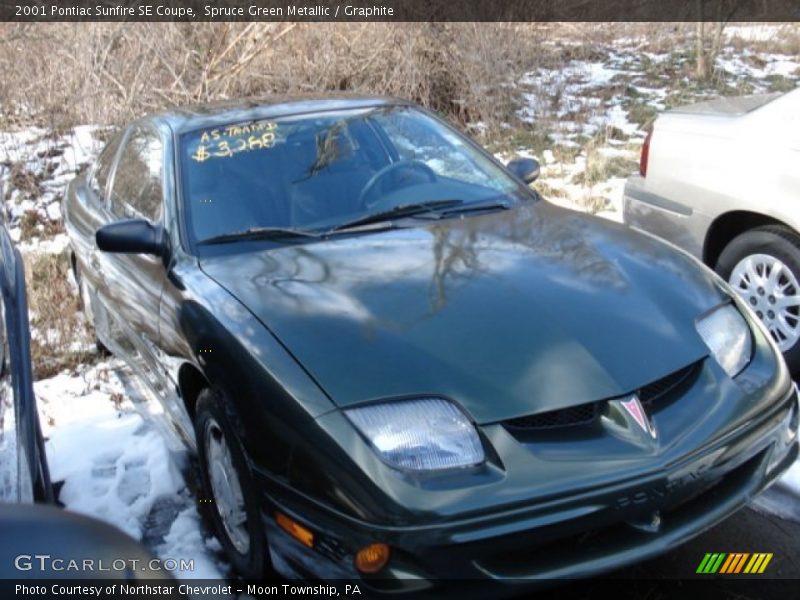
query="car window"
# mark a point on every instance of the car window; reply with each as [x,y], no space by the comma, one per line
[102,169]
[316,171]
[137,190]
[415,139]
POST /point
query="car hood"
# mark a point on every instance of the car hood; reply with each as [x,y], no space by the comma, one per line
[508,314]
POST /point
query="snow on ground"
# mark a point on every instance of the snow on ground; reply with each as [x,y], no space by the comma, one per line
[120,482]
[35,167]
[115,462]
[118,466]
[586,109]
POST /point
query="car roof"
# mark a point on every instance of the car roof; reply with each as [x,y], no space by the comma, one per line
[202,116]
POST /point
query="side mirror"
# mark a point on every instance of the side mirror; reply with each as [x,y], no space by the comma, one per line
[526,169]
[133,236]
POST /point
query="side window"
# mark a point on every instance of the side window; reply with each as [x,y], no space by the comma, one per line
[102,168]
[137,190]
[443,151]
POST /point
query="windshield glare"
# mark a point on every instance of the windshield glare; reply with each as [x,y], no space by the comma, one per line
[315,172]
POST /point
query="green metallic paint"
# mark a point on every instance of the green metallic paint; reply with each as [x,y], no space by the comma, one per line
[507,314]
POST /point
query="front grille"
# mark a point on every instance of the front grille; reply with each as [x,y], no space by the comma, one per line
[657,389]
[551,549]
[582,414]
[586,414]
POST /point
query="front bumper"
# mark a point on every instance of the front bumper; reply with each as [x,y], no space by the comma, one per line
[571,504]
[578,534]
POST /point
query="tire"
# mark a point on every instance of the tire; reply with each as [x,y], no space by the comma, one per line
[758,252]
[214,420]
[85,304]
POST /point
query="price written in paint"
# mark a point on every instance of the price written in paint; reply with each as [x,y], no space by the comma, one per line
[234,139]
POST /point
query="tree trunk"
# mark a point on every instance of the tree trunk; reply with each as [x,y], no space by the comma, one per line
[701,60]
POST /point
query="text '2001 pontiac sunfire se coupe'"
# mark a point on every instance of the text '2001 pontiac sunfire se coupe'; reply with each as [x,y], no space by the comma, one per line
[397,364]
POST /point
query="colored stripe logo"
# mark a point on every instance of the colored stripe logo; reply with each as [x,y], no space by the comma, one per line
[734,563]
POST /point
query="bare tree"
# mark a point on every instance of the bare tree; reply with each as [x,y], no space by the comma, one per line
[708,35]
[67,73]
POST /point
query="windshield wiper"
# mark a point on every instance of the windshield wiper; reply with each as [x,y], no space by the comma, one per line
[477,206]
[402,210]
[258,233]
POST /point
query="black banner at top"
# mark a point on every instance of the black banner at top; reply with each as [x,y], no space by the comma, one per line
[399,10]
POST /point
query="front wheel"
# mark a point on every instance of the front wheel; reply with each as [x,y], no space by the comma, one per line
[230,502]
[763,266]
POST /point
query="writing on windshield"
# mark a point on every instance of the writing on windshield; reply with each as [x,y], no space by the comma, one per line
[227,141]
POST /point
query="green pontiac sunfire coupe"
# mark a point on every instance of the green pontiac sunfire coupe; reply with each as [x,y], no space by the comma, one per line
[398,365]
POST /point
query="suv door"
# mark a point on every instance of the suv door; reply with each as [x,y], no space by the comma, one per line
[132,283]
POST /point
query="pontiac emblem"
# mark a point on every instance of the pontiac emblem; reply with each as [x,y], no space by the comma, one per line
[634,408]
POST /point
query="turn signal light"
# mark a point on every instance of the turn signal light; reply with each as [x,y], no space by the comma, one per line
[293,528]
[371,559]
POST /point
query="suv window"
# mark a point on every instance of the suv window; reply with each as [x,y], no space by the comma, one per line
[137,190]
[102,168]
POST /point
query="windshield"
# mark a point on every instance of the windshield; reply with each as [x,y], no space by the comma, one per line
[317,172]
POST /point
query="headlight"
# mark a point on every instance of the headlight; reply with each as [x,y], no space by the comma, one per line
[419,435]
[727,335]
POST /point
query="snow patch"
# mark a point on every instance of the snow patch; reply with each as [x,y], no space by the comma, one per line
[118,467]
[186,541]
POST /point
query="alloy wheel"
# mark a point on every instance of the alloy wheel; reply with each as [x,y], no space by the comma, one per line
[772,291]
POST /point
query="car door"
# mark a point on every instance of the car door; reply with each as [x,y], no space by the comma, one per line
[84,212]
[132,283]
